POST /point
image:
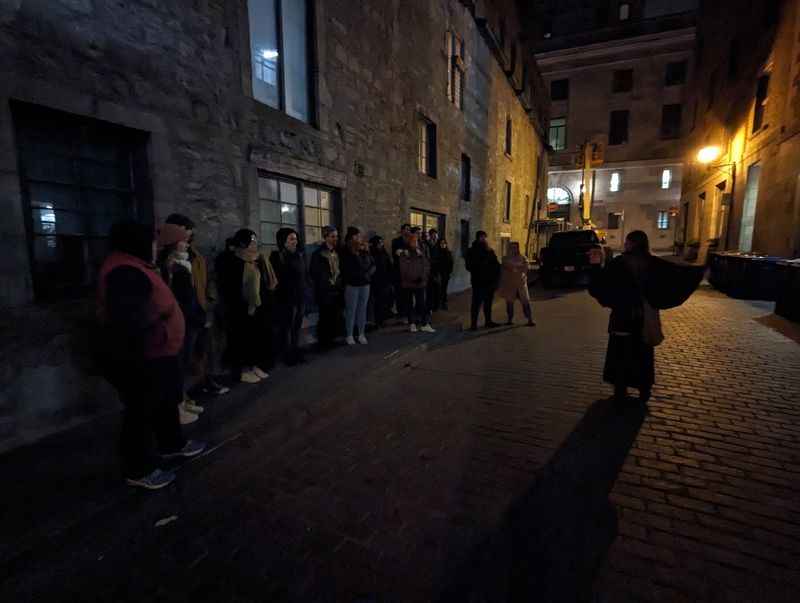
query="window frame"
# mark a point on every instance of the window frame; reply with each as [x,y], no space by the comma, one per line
[558,128]
[666,179]
[623,139]
[663,220]
[334,209]
[761,99]
[509,136]
[427,146]
[507,202]
[557,84]
[617,217]
[465,185]
[310,37]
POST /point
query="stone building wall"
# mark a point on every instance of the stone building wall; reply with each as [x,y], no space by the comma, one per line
[741,42]
[177,74]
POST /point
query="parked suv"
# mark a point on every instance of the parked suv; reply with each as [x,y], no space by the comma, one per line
[570,256]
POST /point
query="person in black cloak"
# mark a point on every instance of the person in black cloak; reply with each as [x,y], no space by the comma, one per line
[636,285]
[289,264]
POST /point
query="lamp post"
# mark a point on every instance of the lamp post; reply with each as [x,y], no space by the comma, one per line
[707,156]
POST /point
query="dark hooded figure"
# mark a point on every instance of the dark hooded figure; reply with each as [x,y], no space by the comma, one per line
[484,268]
[382,291]
[622,286]
[290,267]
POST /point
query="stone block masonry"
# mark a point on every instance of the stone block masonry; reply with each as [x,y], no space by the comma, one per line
[177,75]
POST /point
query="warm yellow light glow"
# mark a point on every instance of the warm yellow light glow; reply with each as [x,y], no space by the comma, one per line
[737,145]
[708,154]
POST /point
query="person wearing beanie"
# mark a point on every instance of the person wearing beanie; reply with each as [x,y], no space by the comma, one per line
[357,270]
[290,296]
[176,269]
[415,269]
[203,355]
[248,288]
[141,329]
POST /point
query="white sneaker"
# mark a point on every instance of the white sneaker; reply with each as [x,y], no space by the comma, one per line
[349,340]
[362,340]
[186,418]
[413,328]
[428,329]
[250,377]
[191,406]
[259,373]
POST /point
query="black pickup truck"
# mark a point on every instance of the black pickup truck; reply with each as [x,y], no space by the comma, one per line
[571,256]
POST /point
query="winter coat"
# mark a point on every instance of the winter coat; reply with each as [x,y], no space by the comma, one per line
[183,285]
[482,264]
[357,268]
[383,269]
[441,263]
[290,269]
[147,308]
[514,278]
[415,269]
[326,275]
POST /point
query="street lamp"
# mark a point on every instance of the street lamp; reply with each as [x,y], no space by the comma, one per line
[708,155]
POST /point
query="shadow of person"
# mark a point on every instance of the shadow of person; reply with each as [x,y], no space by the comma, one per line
[553,538]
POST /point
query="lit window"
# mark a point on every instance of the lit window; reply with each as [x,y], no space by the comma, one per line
[663,220]
[666,179]
[615,180]
[624,11]
[279,54]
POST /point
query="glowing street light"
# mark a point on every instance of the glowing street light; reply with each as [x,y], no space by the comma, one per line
[708,154]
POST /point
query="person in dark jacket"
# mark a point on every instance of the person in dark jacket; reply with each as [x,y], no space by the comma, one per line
[441,269]
[381,288]
[326,278]
[141,332]
[630,361]
[176,269]
[415,270]
[398,244]
[290,296]
[247,286]
[484,269]
[358,267]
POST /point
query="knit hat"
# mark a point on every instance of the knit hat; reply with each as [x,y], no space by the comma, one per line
[171,234]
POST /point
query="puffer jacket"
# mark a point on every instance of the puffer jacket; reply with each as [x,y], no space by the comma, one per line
[415,269]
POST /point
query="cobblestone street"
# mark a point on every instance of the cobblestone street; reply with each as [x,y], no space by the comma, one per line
[463,467]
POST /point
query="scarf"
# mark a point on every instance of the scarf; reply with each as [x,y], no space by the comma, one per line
[182,259]
[333,263]
[251,278]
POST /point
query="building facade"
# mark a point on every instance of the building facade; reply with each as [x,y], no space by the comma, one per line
[249,113]
[617,81]
[741,189]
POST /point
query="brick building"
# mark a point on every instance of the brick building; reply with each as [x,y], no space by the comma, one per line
[252,113]
[743,191]
[617,75]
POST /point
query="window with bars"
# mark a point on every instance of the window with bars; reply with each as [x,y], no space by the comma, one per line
[279,55]
[456,70]
[426,160]
[303,206]
[79,177]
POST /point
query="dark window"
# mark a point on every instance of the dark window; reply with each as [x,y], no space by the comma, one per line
[671,121]
[713,82]
[733,60]
[466,178]
[279,55]
[427,147]
[623,81]
[79,176]
[465,237]
[559,90]
[305,207]
[618,127]
[507,203]
[762,92]
[675,74]
[601,15]
[558,133]
[613,221]
[772,12]
[509,134]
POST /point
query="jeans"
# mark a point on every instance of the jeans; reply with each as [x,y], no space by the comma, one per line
[416,306]
[355,312]
[151,415]
[481,297]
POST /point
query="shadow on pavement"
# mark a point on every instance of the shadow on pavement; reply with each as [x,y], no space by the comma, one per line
[553,539]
